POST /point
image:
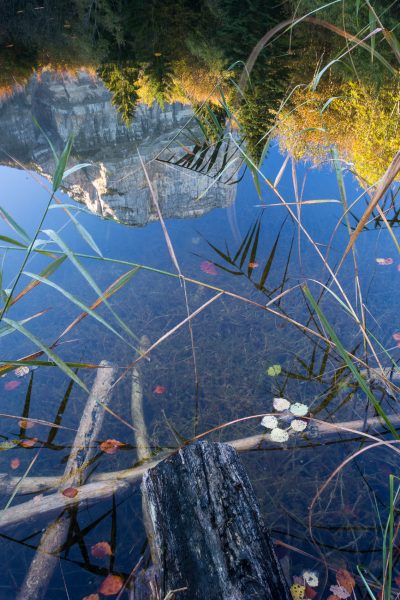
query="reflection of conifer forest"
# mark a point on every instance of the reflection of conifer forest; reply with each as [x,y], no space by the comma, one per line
[205,44]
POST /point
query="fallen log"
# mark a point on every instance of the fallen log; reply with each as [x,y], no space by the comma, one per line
[104,485]
[45,560]
[208,530]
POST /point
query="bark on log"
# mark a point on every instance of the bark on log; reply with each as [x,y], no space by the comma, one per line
[208,530]
[45,560]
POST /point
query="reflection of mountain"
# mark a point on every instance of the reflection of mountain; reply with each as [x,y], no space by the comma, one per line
[116,186]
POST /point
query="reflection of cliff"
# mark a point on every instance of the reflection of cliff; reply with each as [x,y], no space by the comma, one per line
[116,186]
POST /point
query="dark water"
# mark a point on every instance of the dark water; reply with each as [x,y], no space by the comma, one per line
[210,218]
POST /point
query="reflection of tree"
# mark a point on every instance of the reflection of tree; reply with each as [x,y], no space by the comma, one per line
[362,121]
[121,81]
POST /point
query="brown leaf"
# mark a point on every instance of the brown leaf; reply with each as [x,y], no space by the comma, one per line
[346,580]
[70,492]
[310,593]
[111,585]
[101,550]
[111,446]
[332,597]
[26,424]
[28,443]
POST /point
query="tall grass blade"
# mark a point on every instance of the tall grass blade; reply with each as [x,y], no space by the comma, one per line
[14,225]
[343,352]
[78,265]
[49,270]
[381,189]
[77,302]
[62,163]
[52,355]
[5,238]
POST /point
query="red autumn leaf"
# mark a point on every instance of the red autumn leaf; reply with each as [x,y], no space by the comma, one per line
[159,389]
[28,443]
[346,580]
[101,550]
[14,463]
[111,585]
[12,385]
[92,597]
[110,446]
[310,593]
[26,424]
[70,492]
[207,267]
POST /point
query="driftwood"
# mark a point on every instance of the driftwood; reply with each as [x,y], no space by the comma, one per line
[104,485]
[207,528]
[141,437]
[143,447]
[45,560]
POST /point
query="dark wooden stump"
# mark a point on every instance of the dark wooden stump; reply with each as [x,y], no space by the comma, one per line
[207,528]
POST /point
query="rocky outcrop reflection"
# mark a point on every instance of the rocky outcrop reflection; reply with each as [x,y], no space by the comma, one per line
[116,185]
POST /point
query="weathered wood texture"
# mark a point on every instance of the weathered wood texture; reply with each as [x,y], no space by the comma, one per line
[46,559]
[208,530]
[105,485]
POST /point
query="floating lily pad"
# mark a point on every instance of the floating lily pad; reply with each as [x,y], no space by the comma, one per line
[274,370]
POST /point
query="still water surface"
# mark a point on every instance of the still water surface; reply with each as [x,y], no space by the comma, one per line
[225,236]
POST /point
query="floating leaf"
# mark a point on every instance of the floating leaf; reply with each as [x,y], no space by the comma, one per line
[269,422]
[340,592]
[253,265]
[92,597]
[70,492]
[111,446]
[101,550]
[298,409]
[396,337]
[384,261]
[111,585]
[21,371]
[15,463]
[12,385]
[298,591]
[281,404]
[208,267]
[300,425]
[159,389]
[28,443]
[26,424]
[279,435]
[346,580]
[310,577]
[310,593]
[274,370]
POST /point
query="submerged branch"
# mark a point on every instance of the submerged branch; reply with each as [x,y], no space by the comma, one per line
[45,560]
[104,485]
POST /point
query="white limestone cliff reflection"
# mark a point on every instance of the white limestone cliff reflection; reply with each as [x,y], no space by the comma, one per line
[116,185]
